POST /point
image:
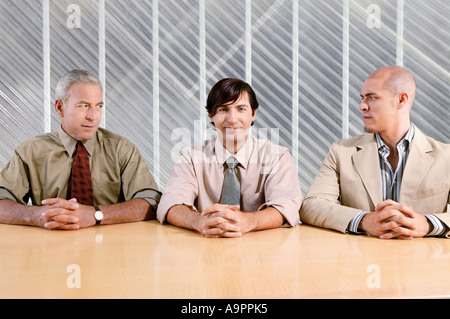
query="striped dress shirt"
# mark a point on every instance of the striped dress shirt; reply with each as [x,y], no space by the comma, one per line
[391,181]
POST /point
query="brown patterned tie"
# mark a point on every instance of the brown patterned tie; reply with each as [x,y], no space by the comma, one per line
[81,181]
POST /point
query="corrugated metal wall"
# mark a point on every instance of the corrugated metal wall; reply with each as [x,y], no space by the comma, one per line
[306,60]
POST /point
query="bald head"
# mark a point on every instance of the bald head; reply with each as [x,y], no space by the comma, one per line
[387,97]
[397,80]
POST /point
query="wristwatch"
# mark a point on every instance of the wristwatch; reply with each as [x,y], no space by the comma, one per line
[98,215]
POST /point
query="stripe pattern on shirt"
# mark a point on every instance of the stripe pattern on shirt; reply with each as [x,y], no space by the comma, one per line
[392,180]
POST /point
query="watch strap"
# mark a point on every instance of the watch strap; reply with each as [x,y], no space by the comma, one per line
[97,221]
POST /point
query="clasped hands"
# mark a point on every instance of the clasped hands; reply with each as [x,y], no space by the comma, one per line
[66,214]
[220,220]
[394,220]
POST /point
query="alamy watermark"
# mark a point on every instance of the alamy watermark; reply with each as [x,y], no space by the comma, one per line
[184,141]
[374,18]
[74,279]
[374,279]
[74,18]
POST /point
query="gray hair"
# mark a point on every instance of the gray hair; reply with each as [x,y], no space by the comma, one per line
[74,76]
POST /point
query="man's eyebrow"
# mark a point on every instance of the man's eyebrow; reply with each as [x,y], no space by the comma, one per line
[367,94]
[86,102]
[83,102]
[237,105]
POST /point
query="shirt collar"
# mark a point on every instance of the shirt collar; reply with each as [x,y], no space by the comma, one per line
[405,141]
[70,143]
[242,156]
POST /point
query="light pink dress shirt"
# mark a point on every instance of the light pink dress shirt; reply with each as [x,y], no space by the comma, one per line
[266,171]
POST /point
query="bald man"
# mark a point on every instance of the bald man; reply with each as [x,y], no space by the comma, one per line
[393,181]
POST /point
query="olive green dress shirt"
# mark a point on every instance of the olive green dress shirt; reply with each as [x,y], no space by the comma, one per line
[41,166]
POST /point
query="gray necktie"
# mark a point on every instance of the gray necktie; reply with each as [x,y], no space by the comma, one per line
[231,189]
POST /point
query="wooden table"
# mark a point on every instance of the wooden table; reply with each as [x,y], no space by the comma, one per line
[150,260]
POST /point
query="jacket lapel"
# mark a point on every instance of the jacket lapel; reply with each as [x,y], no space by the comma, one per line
[368,167]
[418,163]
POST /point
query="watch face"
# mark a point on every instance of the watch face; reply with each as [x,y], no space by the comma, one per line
[98,215]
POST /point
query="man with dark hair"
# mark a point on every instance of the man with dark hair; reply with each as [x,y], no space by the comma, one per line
[393,181]
[233,183]
[227,91]
[80,175]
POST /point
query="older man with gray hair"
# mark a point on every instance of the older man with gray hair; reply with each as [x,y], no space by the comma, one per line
[81,175]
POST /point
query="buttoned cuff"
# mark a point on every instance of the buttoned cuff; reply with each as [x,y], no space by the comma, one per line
[439,228]
[354,223]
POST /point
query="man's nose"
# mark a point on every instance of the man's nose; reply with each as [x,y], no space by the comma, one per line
[91,114]
[363,106]
[232,116]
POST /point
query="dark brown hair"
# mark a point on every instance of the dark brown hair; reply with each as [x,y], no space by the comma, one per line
[228,91]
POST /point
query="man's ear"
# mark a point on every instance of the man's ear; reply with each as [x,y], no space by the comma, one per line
[59,108]
[403,100]
[254,114]
[211,120]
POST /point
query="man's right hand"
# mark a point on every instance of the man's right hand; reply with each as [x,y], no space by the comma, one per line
[394,220]
[66,214]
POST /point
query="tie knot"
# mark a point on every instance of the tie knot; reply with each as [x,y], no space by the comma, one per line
[80,148]
[79,145]
[231,162]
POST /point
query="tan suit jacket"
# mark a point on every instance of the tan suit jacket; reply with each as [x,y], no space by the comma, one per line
[349,181]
